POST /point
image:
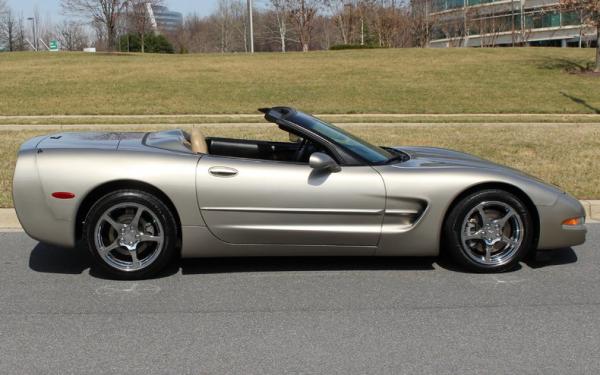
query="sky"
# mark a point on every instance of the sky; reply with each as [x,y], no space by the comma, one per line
[52,7]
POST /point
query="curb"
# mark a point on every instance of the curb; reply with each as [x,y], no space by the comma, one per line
[9,221]
[145,127]
[592,209]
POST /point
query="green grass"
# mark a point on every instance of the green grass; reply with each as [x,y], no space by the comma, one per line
[427,81]
[570,159]
[53,121]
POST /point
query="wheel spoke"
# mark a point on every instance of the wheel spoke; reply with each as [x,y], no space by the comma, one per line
[509,241]
[149,238]
[488,253]
[111,222]
[105,250]
[484,218]
[502,221]
[134,259]
[135,222]
[478,235]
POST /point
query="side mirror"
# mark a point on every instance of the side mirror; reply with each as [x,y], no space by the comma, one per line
[323,162]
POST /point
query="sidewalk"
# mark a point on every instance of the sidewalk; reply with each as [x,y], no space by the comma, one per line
[9,221]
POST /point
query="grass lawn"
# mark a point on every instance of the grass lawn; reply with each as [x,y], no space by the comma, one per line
[570,159]
[502,80]
[54,121]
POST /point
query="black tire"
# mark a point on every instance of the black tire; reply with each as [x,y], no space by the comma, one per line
[470,254]
[155,217]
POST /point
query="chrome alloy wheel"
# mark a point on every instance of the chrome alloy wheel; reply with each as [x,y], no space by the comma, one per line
[129,236]
[492,233]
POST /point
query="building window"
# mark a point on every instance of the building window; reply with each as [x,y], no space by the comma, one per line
[570,19]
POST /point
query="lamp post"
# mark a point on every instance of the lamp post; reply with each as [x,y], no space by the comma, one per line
[35,43]
[250,26]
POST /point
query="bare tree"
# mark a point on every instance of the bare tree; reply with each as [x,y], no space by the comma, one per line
[224,19]
[103,13]
[302,14]
[341,16]
[590,10]
[281,11]
[239,18]
[139,17]
[8,29]
[72,36]
[422,22]
[20,40]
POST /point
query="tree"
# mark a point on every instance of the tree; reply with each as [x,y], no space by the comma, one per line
[8,29]
[341,16]
[422,23]
[302,14]
[72,36]
[140,17]
[281,12]
[590,10]
[155,43]
[224,19]
[103,13]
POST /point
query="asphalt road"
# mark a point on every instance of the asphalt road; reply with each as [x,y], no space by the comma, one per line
[296,316]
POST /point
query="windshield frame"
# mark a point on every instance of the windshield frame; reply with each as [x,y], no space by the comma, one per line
[365,148]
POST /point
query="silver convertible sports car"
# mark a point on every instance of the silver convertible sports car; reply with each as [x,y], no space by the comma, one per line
[138,200]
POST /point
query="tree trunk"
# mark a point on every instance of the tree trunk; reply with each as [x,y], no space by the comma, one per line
[597,69]
[143,42]
[304,47]
[110,43]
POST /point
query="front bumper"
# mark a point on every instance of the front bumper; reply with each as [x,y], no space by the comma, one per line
[555,235]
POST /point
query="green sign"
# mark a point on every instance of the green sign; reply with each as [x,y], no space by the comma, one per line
[54,46]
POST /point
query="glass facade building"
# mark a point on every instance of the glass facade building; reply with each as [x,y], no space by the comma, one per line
[167,20]
[480,23]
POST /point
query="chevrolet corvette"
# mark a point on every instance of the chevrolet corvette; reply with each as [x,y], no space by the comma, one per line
[138,200]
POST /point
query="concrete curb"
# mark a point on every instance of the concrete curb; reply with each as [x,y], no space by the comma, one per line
[592,209]
[145,127]
[9,221]
[258,115]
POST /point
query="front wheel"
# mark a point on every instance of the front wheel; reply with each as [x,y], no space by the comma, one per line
[489,231]
[131,234]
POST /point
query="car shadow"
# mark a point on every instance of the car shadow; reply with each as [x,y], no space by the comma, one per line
[283,264]
[52,259]
[548,258]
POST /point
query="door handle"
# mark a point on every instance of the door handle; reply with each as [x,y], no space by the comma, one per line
[222,171]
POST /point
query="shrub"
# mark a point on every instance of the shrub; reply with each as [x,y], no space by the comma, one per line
[338,47]
[153,43]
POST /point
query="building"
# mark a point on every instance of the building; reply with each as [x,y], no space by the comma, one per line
[480,23]
[164,19]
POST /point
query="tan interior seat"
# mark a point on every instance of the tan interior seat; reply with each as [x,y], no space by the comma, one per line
[198,142]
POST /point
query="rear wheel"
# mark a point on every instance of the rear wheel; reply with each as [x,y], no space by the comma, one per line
[131,234]
[489,231]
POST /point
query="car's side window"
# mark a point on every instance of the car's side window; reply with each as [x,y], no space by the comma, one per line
[297,150]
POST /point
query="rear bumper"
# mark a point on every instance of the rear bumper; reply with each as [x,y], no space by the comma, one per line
[555,235]
[31,205]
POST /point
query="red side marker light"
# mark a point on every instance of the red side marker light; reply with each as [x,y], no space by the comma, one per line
[63,195]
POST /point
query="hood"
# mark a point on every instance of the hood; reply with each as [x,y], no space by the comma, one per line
[443,158]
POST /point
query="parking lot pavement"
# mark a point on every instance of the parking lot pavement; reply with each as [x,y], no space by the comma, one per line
[299,315]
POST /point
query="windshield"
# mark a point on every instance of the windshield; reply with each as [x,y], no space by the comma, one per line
[369,152]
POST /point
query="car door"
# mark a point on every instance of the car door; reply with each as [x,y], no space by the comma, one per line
[247,201]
